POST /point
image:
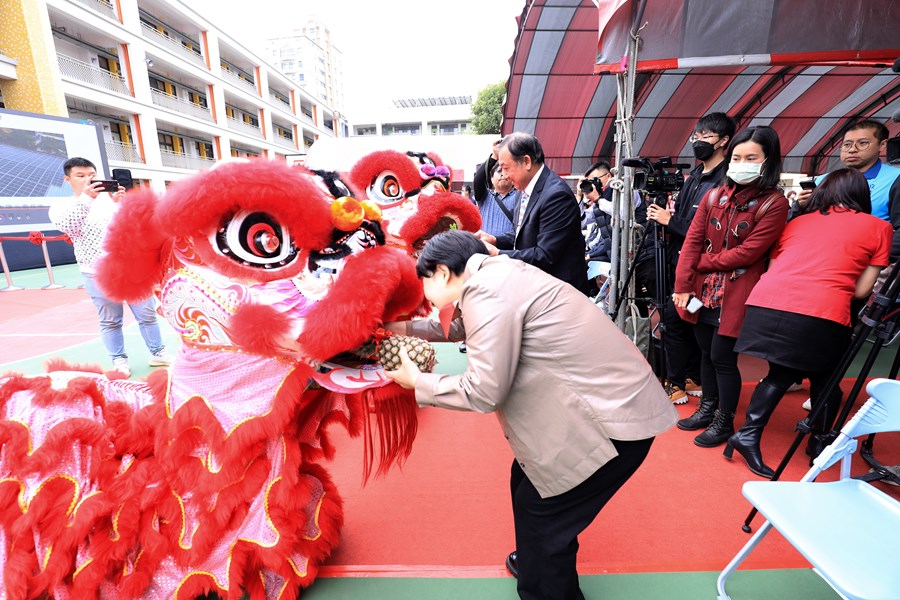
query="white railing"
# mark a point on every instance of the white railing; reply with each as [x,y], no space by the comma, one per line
[101,6]
[238,125]
[122,152]
[279,101]
[177,104]
[82,71]
[286,142]
[173,44]
[185,161]
[232,76]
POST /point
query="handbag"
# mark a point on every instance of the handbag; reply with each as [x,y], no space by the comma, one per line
[637,328]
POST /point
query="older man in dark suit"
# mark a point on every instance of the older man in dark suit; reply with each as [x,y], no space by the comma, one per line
[548,234]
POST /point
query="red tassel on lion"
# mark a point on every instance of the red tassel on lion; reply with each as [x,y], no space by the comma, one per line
[210,477]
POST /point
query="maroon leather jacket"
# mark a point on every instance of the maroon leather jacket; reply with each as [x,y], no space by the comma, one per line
[727,236]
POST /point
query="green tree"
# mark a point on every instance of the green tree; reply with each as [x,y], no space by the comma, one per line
[488,109]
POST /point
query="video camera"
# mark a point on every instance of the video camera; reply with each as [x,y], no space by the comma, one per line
[656,178]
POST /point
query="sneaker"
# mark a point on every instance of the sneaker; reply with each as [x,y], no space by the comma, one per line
[160,358]
[807,405]
[692,387]
[676,394]
[120,364]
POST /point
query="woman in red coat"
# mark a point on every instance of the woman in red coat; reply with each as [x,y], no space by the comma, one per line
[798,316]
[723,256]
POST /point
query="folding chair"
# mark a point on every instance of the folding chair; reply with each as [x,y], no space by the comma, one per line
[847,529]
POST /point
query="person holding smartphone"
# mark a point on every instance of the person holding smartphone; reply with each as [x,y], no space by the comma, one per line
[85,219]
[723,256]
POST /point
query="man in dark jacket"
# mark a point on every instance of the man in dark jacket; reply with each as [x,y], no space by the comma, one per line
[548,226]
[710,140]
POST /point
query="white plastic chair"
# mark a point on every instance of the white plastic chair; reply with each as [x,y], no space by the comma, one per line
[847,529]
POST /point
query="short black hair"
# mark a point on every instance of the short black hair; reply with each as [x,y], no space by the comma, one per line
[718,123]
[881,132]
[600,164]
[452,248]
[521,144]
[844,187]
[76,161]
[767,138]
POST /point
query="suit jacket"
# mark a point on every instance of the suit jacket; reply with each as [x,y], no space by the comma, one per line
[561,377]
[549,235]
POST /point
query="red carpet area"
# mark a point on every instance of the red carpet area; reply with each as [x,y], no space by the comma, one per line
[447,513]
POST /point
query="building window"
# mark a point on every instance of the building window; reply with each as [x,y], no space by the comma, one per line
[287,65]
[287,53]
[166,142]
[366,130]
[203,149]
[401,129]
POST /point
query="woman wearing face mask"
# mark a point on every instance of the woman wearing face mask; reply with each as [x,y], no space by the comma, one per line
[798,316]
[723,256]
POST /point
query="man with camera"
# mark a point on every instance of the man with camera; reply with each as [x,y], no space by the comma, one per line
[85,218]
[595,198]
[709,142]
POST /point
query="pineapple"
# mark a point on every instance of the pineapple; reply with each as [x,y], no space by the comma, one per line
[420,351]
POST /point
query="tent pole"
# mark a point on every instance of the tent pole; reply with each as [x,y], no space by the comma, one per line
[623,195]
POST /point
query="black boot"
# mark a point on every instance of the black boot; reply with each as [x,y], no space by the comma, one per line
[821,434]
[719,430]
[746,441]
[702,417]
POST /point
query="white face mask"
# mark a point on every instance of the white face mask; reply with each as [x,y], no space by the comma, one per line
[744,173]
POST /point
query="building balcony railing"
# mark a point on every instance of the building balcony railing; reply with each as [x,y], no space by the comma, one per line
[181,105]
[234,77]
[81,71]
[174,45]
[123,152]
[241,126]
[280,102]
[101,6]
[285,141]
[185,161]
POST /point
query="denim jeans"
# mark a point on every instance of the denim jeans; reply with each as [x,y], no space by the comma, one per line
[111,315]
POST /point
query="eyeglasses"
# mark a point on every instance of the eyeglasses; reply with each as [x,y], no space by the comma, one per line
[704,137]
[860,144]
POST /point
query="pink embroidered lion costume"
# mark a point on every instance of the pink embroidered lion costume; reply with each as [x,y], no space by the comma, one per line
[208,477]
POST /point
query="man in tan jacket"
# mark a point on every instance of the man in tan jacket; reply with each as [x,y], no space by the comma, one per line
[576,400]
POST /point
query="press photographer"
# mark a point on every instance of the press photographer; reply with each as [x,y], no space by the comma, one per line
[709,143]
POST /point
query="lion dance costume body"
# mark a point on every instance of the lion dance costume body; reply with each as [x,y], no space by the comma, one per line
[208,477]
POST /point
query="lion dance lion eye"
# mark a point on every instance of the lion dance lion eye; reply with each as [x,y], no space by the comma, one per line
[255,239]
[386,188]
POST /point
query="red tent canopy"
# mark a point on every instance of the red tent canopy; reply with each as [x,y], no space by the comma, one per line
[806,67]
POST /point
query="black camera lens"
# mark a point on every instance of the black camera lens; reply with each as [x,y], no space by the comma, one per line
[586,186]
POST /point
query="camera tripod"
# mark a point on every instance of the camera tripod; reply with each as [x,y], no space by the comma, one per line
[657,233]
[880,318]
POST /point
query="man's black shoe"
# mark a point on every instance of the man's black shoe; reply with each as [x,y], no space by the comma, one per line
[512,564]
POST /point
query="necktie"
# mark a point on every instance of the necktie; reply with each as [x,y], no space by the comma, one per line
[523,204]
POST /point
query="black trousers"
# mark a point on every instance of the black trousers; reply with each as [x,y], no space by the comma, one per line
[547,528]
[720,375]
[682,351]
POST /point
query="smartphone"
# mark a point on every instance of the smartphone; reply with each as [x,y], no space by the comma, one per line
[694,304]
[808,184]
[109,185]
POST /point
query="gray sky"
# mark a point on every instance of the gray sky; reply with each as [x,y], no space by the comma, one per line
[391,48]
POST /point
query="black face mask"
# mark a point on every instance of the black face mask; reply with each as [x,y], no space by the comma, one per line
[703,150]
